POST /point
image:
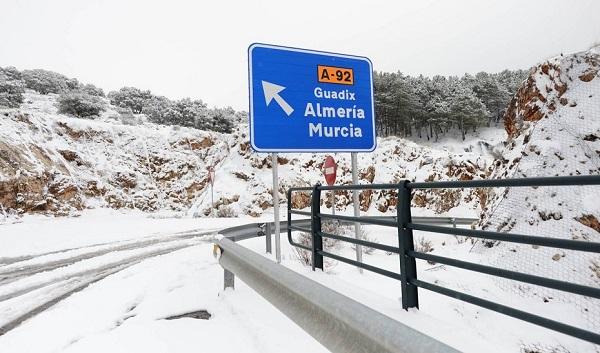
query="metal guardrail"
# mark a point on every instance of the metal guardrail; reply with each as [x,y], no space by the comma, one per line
[336,321]
[405,224]
[258,229]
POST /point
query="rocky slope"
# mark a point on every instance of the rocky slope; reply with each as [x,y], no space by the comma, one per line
[56,164]
[553,124]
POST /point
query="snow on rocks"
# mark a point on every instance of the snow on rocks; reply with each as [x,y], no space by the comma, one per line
[553,125]
[55,164]
[245,177]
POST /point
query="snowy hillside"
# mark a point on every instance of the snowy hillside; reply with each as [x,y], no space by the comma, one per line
[554,129]
[56,164]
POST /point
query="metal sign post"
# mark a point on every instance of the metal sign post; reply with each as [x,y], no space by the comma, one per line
[274,165]
[355,201]
[333,202]
[330,173]
[211,178]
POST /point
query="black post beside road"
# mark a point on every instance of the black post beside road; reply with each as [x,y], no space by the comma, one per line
[268,237]
[317,240]
[408,266]
[289,214]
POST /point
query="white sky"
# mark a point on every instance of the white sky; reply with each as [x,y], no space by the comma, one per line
[198,48]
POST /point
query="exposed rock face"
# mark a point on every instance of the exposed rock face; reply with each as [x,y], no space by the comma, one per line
[54,164]
[543,90]
[46,192]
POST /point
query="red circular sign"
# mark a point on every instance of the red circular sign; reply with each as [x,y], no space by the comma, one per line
[329,170]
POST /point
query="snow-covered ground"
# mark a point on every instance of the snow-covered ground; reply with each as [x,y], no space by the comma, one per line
[126,310]
[464,326]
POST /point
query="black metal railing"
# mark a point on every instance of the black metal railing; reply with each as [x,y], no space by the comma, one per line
[407,254]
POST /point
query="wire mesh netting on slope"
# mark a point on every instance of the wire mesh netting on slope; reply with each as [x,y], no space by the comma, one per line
[562,139]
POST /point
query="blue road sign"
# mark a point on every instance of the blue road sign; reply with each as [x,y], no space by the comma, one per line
[310,101]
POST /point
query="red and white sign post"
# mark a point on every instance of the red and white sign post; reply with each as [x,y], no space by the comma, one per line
[211,180]
[330,173]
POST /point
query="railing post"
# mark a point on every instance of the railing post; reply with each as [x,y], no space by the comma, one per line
[408,266]
[289,214]
[268,237]
[228,279]
[315,226]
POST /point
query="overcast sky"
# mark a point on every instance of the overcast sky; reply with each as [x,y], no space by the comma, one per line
[198,48]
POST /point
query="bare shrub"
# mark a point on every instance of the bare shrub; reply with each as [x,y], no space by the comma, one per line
[424,245]
[595,267]
[304,256]
[362,235]
[225,211]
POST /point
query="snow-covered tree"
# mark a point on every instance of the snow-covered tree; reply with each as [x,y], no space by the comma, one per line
[44,81]
[405,104]
[160,110]
[466,109]
[130,97]
[190,112]
[80,104]
[92,90]
[222,119]
[491,92]
[11,88]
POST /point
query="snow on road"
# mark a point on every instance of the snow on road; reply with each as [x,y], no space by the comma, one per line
[124,275]
[126,312]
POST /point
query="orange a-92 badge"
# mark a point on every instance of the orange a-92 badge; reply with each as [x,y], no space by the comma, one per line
[331,74]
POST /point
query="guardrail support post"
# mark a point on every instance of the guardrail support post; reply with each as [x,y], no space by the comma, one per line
[268,237]
[315,226]
[408,266]
[228,279]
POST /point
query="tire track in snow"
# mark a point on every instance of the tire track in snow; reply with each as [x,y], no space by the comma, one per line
[6,261]
[15,272]
[53,291]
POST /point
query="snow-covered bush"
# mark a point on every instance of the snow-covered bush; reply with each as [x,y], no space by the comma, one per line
[44,81]
[226,211]
[126,117]
[130,97]
[189,112]
[80,104]
[11,88]
[92,90]
[159,110]
[220,120]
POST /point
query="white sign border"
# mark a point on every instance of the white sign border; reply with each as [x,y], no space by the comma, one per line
[300,50]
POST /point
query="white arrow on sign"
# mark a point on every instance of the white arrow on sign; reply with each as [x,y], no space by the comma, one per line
[272,92]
